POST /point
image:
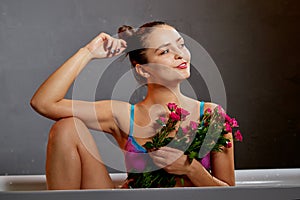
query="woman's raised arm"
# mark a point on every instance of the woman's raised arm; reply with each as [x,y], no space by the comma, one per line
[49,100]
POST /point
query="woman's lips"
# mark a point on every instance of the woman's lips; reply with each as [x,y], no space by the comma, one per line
[182,65]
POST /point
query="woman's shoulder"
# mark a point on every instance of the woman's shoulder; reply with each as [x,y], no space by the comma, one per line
[120,108]
[207,104]
[210,105]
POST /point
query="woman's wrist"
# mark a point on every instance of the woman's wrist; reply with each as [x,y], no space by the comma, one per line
[187,165]
[87,53]
[191,167]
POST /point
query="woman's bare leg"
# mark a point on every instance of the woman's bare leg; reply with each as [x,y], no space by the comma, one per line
[73,160]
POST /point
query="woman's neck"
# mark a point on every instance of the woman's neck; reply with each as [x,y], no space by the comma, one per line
[158,94]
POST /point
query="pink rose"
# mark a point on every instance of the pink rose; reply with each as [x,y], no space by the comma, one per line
[163,119]
[193,125]
[219,108]
[178,111]
[238,136]
[174,116]
[221,111]
[228,144]
[223,114]
[172,106]
[208,111]
[234,123]
[228,119]
[182,113]
[227,127]
[185,130]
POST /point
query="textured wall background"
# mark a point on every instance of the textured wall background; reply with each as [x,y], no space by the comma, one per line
[255,45]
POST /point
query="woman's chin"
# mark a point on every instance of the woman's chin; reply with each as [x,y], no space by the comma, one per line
[171,80]
[185,75]
[182,77]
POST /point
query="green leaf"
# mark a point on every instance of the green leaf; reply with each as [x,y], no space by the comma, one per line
[193,154]
[179,133]
[160,122]
[148,145]
[182,181]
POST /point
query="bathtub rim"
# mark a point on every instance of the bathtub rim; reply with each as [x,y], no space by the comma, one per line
[244,179]
[162,193]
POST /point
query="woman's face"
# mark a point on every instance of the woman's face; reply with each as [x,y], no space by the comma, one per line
[168,58]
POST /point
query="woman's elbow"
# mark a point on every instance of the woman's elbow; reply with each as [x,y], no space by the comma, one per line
[39,106]
[48,110]
[34,104]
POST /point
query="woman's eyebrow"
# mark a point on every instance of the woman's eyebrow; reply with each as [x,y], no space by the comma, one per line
[164,45]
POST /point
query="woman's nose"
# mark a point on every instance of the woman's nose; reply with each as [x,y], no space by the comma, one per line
[178,54]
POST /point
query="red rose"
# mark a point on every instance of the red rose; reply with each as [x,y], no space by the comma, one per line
[182,113]
[227,127]
[234,123]
[172,106]
[194,125]
[228,144]
[174,116]
[238,136]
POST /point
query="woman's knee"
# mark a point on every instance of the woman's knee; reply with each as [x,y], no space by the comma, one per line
[71,133]
[65,129]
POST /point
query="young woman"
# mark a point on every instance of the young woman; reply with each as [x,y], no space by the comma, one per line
[160,58]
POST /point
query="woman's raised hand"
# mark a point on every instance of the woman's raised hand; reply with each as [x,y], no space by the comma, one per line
[106,46]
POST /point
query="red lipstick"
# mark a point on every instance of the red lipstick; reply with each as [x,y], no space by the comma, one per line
[182,65]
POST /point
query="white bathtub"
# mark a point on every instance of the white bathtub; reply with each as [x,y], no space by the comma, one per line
[275,183]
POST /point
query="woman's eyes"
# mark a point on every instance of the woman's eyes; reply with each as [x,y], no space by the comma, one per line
[167,50]
[182,45]
[164,52]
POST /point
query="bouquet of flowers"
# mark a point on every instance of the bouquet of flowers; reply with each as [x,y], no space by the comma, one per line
[196,141]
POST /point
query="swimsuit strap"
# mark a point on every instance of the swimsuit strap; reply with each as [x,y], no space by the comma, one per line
[136,145]
[131,119]
[201,109]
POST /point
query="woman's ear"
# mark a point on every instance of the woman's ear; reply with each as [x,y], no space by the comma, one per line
[141,71]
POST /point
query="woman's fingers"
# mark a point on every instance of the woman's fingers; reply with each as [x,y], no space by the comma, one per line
[108,41]
[166,155]
[171,160]
[108,44]
[116,47]
[105,46]
[158,160]
[123,43]
[170,149]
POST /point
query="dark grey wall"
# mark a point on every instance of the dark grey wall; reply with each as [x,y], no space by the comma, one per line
[255,45]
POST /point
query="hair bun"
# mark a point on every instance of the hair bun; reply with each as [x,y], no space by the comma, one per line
[124,32]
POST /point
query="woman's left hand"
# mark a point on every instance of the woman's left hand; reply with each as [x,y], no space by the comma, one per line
[170,159]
